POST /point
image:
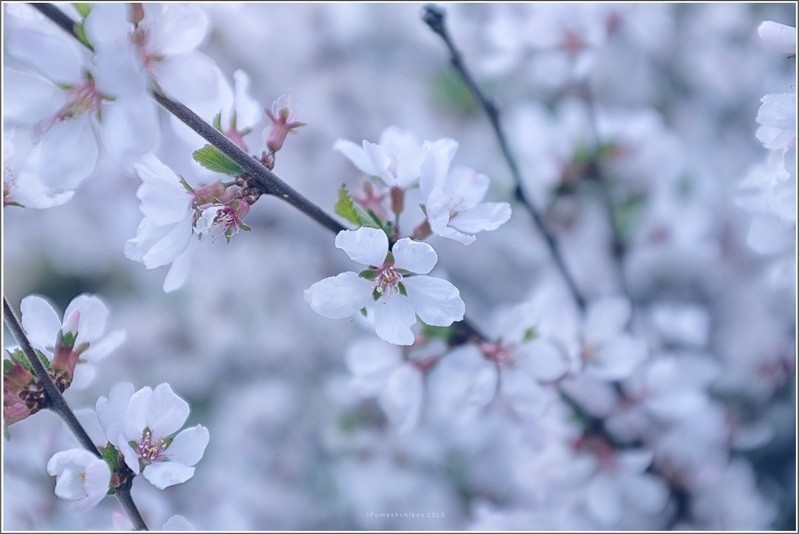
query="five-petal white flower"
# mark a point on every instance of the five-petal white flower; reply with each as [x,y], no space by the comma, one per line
[141,426]
[81,477]
[388,290]
[397,159]
[453,196]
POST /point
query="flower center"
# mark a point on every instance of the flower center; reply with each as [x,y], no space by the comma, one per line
[149,450]
[388,280]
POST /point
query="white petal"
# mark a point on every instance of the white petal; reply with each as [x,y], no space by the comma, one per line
[435,166]
[542,360]
[605,318]
[93,316]
[339,296]
[166,413]
[188,446]
[165,474]
[40,321]
[112,411]
[523,393]
[147,234]
[84,376]
[634,460]
[91,423]
[164,200]
[135,418]
[171,246]
[179,270]
[107,23]
[97,478]
[414,256]
[177,522]
[372,361]
[603,499]
[248,111]
[646,492]
[393,320]
[28,98]
[130,130]
[67,154]
[483,217]
[466,187]
[177,29]
[436,301]
[104,347]
[357,155]
[367,246]
[617,358]
[118,71]
[401,399]
[778,36]
[54,57]
[200,91]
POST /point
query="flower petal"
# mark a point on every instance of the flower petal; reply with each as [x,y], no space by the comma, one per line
[163,199]
[175,28]
[401,398]
[102,348]
[372,361]
[67,154]
[40,321]
[339,296]
[542,360]
[523,393]
[367,246]
[483,217]
[357,155]
[52,56]
[437,302]
[111,411]
[28,98]
[93,316]
[780,37]
[170,246]
[179,270]
[165,474]
[166,413]
[188,446]
[605,318]
[414,256]
[617,358]
[130,130]
[393,320]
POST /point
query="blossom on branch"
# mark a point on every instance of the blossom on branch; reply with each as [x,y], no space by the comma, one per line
[393,290]
[81,477]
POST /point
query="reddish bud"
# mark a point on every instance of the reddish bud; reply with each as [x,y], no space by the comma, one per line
[283,122]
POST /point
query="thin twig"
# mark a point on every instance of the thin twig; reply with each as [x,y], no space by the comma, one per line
[435,18]
[56,402]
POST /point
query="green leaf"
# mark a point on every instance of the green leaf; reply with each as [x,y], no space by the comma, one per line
[346,208]
[111,456]
[82,8]
[212,159]
[218,121]
[402,290]
[529,334]
[8,365]
[80,33]
[369,274]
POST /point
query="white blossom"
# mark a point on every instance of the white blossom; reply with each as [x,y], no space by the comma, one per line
[81,477]
[396,291]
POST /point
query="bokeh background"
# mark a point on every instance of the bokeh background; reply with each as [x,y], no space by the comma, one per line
[293,446]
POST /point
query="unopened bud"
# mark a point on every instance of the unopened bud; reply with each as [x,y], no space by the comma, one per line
[283,122]
[209,194]
[422,231]
[397,200]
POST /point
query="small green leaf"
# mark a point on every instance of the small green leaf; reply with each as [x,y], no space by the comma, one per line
[402,290]
[244,226]
[346,208]
[363,311]
[111,456]
[212,159]
[376,294]
[80,33]
[82,8]
[218,121]
[369,274]
[8,366]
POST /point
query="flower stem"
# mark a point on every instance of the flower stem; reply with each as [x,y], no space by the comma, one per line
[57,403]
[435,18]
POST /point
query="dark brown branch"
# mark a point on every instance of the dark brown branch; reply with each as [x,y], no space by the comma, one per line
[435,18]
[56,402]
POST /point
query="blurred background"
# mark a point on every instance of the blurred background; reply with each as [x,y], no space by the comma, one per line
[676,90]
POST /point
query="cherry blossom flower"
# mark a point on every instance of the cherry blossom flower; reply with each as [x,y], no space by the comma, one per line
[777,117]
[68,100]
[780,37]
[79,339]
[157,43]
[453,196]
[284,121]
[81,477]
[395,288]
[21,187]
[396,160]
[143,427]
[174,214]
[609,353]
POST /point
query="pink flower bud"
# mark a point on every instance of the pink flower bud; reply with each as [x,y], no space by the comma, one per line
[72,322]
[283,122]
[209,194]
